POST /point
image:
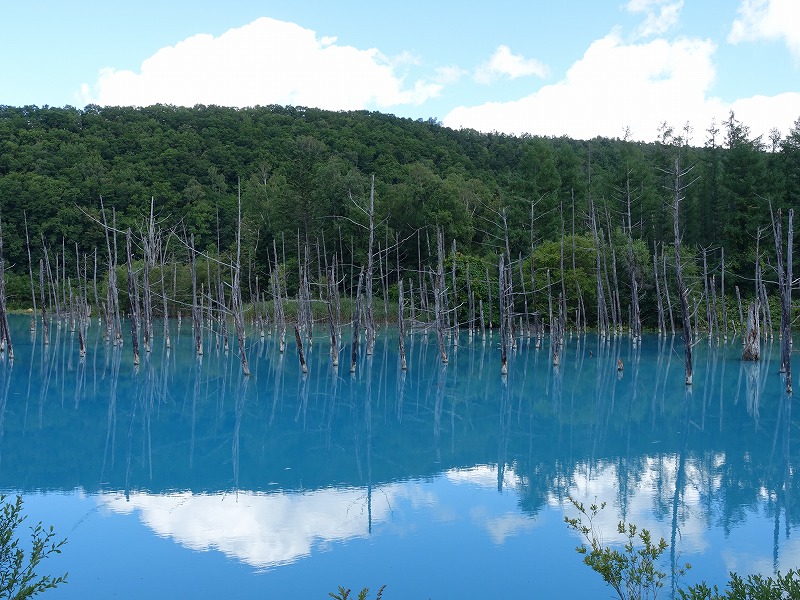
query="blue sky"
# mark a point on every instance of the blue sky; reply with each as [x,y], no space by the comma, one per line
[576,68]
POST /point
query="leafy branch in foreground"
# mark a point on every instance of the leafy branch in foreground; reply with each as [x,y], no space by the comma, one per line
[757,587]
[344,593]
[18,577]
[632,572]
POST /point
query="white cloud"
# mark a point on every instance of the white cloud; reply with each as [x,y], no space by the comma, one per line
[505,64]
[768,20]
[265,62]
[264,530]
[612,86]
[660,15]
[762,113]
[449,74]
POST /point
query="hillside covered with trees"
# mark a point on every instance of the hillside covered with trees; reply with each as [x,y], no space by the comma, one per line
[305,174]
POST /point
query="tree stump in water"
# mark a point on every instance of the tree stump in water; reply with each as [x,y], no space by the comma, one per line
[751,344]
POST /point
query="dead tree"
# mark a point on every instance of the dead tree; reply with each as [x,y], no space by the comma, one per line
[30,265]
[678,189]
[356,322]
[277,296]
[636,321]
[709,321]
[370,341]
[666,289]
[662,328]
[751,339]
[438,296]
[236,292]
[331,320]
[722,294]
[197,320]
[501,288]
[45,329]
[602,316]
[785,291]
[3,309]
[401,333]
[132,298]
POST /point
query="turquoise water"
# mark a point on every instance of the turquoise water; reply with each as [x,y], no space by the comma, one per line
[181,479]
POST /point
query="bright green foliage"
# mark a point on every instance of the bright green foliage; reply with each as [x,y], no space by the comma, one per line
[755,587]
[344,594]
[633,571]
[18,577]
[634,574]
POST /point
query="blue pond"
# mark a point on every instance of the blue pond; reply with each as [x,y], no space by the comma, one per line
[182,479]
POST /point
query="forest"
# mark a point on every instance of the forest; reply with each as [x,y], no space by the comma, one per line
[590,220]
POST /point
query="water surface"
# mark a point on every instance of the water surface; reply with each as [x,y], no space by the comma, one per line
[181,478]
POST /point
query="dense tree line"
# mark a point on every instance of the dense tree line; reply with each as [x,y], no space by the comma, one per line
[305,173]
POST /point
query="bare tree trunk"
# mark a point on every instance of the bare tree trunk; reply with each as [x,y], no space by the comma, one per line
[455,299]
[3,310]
[401,333]
[614,297]
[666,289]
[562,314]
[280,315]
[602,318]
[236,292]
[752,336]
[787,336]
[709,323]
[30,265]
[370,341]
[167,342]
[197,320]
[742,323]
[489,288]
[132,298]
[81,304]
[356,322]
[503,328]
[470,305]
[438,293]
[682,291]
[784,289]
[45,332]
[551,325]
[558,334]
[300,352]
[724,303]
[636,321]
[331,320]
[662,328]
[533,278]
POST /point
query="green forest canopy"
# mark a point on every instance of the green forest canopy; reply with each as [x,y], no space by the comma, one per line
[305,171]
